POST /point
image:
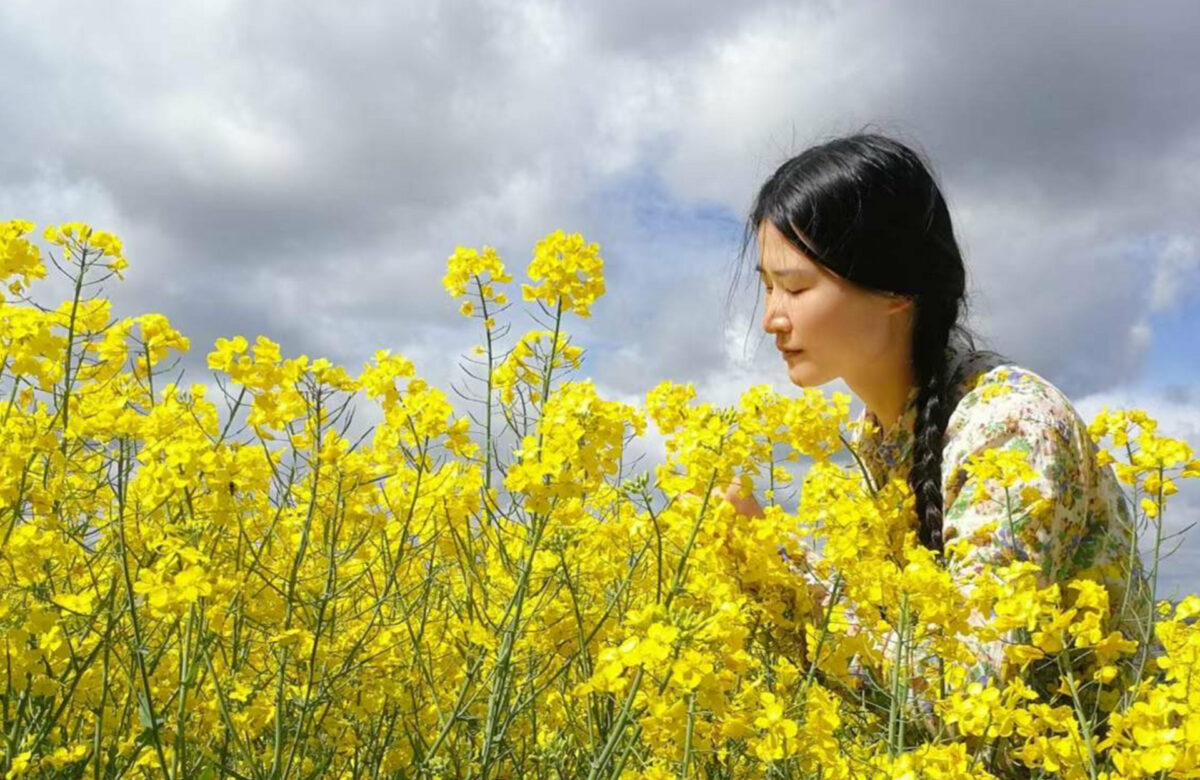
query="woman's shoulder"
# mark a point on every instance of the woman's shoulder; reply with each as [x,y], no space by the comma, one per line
[1008,398]
[1085,525]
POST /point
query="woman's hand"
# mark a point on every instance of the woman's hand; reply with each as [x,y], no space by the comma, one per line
[744,506]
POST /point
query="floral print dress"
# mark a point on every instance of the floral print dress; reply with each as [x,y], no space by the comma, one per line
[1086,529]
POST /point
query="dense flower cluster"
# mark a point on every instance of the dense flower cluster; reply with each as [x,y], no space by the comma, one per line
[485,269]
[239,584]
[570,272]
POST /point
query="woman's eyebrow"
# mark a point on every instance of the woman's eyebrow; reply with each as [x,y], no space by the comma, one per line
[780,271]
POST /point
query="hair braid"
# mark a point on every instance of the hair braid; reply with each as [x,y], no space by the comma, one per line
[931,336]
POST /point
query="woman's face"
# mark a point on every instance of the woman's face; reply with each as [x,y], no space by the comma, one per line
[825,326]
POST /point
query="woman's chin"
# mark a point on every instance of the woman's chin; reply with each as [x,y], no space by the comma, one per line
[802,375]
[799,376]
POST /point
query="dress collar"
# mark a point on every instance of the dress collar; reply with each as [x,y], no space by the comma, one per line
[885,451]
[907,418]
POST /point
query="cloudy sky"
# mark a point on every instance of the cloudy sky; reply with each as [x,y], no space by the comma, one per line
[303,169]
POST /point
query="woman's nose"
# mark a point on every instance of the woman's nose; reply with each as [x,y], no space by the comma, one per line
[774,320]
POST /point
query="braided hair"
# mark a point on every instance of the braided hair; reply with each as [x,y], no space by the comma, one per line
[868,208]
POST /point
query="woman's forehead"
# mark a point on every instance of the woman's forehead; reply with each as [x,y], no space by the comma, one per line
[779,256]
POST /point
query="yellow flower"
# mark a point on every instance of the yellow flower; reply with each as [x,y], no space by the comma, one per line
[381,581]
[80,603]
[691,669]
[18,256]
[570,272]
[19,765]
[467,263]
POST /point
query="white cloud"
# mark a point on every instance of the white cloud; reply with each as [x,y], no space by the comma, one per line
[302,169]
[1177,412]
[1177,264]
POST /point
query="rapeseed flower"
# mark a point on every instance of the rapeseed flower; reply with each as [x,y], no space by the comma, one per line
[257,587]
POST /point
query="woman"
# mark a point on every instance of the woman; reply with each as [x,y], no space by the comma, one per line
[865,281]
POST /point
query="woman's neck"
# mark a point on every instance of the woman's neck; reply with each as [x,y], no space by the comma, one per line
[885,393]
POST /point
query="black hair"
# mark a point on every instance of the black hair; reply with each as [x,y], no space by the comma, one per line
[868,208]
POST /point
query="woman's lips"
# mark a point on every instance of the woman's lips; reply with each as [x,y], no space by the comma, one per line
[791,352]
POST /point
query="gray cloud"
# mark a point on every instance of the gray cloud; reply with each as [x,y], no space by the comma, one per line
[303,169]
[1061,135]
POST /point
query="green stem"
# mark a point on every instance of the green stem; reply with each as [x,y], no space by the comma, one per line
[139,652]
[622,718]
[899,685]
[487,450]
[687,738]
[290,606]
[1084,722]
[1144,650]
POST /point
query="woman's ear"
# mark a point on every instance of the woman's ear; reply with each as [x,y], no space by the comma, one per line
[898,302]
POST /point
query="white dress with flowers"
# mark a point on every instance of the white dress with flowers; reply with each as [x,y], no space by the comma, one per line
[1082,528]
